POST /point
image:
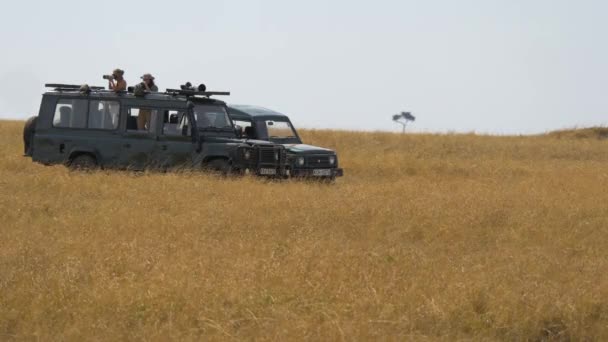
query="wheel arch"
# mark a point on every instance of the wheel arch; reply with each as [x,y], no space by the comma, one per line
[208,159]
[84,151]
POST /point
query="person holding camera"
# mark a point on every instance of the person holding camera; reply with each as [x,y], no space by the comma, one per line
[145,116]
[148,83]
[116,81]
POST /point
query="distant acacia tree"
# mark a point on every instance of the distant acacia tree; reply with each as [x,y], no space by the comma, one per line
[403,118]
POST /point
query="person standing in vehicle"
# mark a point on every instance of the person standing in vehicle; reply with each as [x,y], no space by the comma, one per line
[117,82]
[145,114]
[148,83]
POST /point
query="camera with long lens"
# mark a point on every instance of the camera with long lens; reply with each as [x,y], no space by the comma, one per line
[108,77]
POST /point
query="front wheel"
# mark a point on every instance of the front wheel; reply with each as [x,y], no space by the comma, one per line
[219,166]
[83,162]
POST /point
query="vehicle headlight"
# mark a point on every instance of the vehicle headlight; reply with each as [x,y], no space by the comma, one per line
[247,154]
[332,160]
[300,161]
[276,155]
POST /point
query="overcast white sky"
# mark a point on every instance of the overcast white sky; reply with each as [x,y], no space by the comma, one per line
[490,66]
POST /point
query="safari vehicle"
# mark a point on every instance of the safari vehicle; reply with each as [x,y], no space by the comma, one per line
[91,127]
[259,123]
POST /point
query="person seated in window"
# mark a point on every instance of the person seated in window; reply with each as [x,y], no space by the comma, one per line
[117,82]
[249,132]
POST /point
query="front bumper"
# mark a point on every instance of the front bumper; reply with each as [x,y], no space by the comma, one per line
[265,172]
[337,172]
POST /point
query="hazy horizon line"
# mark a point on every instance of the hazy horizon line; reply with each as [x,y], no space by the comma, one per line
[397,130]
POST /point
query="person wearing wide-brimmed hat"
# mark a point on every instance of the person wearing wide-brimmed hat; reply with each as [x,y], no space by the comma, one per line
[148,82]
[120,84]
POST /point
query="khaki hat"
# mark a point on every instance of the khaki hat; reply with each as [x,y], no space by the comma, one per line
[118,72]
[85,89]
[147,76]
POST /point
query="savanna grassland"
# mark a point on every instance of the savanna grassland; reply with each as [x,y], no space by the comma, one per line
[427,237]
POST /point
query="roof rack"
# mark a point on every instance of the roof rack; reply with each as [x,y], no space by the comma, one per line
[66,87]
[188,92]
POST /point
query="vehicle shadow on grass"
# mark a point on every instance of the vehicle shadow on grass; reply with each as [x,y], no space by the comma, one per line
[191,172]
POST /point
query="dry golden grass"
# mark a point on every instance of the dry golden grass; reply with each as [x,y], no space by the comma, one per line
[426,237]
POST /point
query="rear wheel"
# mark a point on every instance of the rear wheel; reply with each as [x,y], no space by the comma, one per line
[28,135]
[83,162]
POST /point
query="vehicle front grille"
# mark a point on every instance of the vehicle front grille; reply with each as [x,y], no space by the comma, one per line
[267,156]
[318,161]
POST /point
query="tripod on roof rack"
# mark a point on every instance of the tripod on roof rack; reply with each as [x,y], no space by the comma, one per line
[70,87]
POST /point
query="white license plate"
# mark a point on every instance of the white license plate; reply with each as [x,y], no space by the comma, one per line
[268,172]
[321,172]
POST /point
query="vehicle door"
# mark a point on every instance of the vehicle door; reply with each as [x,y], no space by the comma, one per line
[175,146]
[139,137]
[103,135]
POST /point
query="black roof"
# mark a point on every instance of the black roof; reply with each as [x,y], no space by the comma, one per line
[249,112]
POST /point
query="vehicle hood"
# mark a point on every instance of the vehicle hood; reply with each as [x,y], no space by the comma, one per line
[257,142]
[229,139]
[307,149]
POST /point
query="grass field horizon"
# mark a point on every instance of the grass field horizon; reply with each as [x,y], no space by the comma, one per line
[426,237]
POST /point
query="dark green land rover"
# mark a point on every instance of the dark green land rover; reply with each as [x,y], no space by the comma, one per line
[303,160]
[93,127]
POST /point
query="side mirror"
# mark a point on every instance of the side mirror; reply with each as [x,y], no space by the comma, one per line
[173,119]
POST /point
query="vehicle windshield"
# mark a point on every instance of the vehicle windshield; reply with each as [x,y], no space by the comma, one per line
[280,130]
[210,116]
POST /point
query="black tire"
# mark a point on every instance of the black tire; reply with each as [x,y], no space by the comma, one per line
[28,135]
[219,166]
[83,162]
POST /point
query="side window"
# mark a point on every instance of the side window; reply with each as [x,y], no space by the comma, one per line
[175,123]
[243,124]
[103,114]
[279,129]
[142,119]
[245,129]
[70,113]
